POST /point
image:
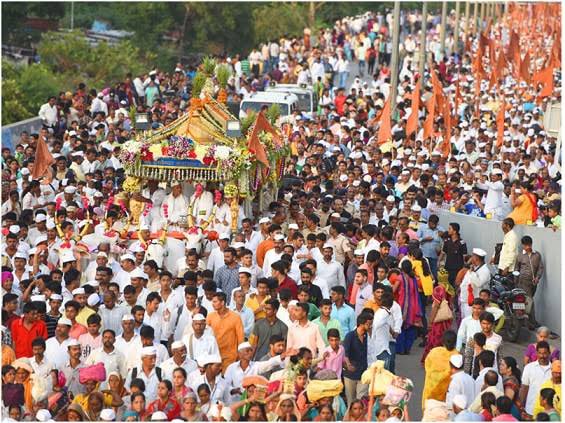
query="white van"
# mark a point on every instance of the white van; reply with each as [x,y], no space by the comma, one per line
[307,98]
[287,102]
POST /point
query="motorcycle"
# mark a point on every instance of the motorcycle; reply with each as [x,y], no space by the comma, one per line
[511,300]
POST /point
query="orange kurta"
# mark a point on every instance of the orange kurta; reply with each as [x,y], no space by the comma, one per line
[228,330]
[262,249]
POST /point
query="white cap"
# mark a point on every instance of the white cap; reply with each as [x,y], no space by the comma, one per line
[358,253]
[264,220]
[416,208]
[70,189]
[40,218]
[356,183]
[279,237]
[390,199]
[177,345]
[479,252]
[367,178]
[73,343]
[224,235]
[343,178]
[14,229]
[337,215]
[107,415]
[127,318]
[137,248]
[38,298]
[327,245]
[93,300]
[98,194]
[460,401]
[143,227]
[456,360]
[25,171]
[153,72]
[198,317]
[127,257]
[243,346]
[145,351]
[238,245]
[158,415]
[43,415]
[50,224]
[78,291]
[208,359]
[56,297]
[497,172]
[40,239]
[245,270]
[67,256]
[138,273]
[101,254]
[64,321]
[293,226]
[20,255]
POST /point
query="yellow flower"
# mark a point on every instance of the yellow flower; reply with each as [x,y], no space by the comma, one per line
[156,150]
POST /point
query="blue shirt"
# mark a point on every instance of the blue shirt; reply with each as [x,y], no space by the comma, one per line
[345,315]
[468,416]
[227,279]
[356,352]
[429,248]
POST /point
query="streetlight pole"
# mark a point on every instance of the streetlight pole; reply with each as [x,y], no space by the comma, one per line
[443,27]
[394,64]
[422,61]
[72,15]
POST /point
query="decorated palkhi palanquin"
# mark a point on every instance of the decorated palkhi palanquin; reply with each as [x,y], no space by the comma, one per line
[196,149]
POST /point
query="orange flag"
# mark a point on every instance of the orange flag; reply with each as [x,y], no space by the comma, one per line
[514,49]
[254,144]
[437,89]
[385,129]
[43,159]
[446,146]
[543,75]
[547,82]
[501,64]
[525,68]
[500,124]
[429,122]
[412,123]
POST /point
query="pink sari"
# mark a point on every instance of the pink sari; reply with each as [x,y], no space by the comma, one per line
[435,334]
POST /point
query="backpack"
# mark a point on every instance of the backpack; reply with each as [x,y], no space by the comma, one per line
[157,372]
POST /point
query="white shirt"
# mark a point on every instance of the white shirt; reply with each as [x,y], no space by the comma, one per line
[151,382]
[253,242]
[48,114]
[479,279]
[220,392]
[114,361]
[247,318]
[380,335]
[332,272]
[493,202]
[271,257]
[467,329]
[169,367]
[479,382]
[43,368]
[158,323]
[128,348]
[199,347]
[57,352]
[234,373]
[215,259]
[112,319]
[461,384]
[363,294]
[534,376]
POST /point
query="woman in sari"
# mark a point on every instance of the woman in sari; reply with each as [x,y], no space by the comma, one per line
[190,411]
[286,410]
[95,405]
[165,402]
[23,377]
[438,369]
[511,381]
[412,311]
[524,204]
[436,329]
[356,412]
[180,390]
[109,397]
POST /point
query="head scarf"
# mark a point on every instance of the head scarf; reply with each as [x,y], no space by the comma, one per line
[439,293]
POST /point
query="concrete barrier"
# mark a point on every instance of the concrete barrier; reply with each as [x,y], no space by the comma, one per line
[11,133]
[486,234]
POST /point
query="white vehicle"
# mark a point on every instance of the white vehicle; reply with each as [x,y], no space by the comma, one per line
[307,98]
[287,102]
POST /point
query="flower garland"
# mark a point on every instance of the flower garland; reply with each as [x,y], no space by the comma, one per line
[180,147]
[146,209]
[68,237]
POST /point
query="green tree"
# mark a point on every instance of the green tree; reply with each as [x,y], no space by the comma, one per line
[272,20]
[12,108]
[36,83]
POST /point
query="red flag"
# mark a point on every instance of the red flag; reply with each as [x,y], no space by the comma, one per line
[43,159]
[412,123]
[385,129]
[500,124]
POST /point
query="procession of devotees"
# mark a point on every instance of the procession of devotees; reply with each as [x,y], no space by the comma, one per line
[308,308]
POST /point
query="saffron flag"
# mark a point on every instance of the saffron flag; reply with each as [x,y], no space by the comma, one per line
[525,68]
[43,159]
[446,147]
[500,124]
[429,122]
[385,130]
[412,122]
[255,145]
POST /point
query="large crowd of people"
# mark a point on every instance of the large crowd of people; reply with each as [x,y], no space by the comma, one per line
[285,317]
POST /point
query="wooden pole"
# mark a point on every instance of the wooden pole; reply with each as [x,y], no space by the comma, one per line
[475,17]
[394,63]
[422,62]
[467,13]
[482,17]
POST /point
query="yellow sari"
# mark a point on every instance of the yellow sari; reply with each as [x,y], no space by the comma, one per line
[438,374]
[426,281]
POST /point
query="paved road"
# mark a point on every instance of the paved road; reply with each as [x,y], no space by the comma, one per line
[409,366]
